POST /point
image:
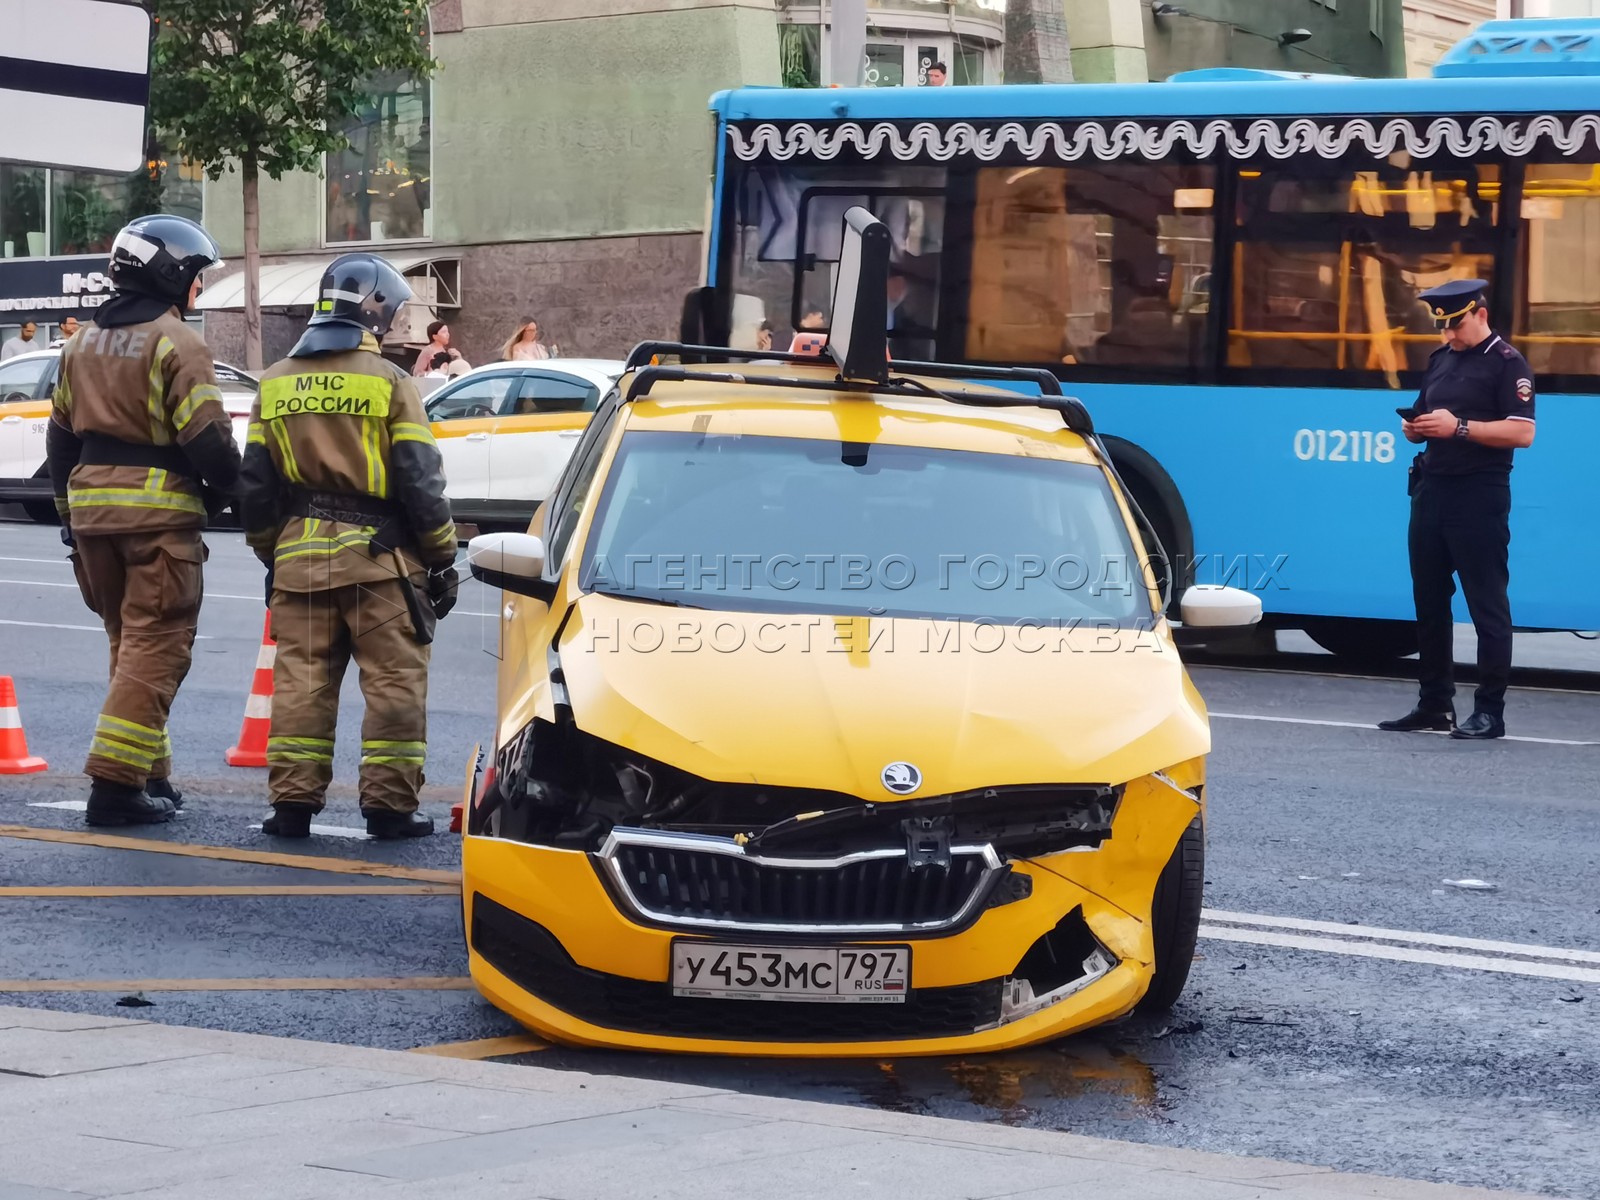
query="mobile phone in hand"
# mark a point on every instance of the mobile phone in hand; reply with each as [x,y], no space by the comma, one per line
[1409,414]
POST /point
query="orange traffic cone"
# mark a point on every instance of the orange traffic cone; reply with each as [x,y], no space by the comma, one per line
[251,749]
[14,756]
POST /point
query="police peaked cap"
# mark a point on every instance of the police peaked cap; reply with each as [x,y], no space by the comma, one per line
[1450,302]
[359,294]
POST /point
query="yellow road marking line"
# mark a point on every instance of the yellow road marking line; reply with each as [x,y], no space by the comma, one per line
[486,1047]
[156,890]
[309,862]
[415,983]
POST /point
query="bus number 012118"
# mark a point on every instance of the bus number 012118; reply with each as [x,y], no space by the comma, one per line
[1344,445]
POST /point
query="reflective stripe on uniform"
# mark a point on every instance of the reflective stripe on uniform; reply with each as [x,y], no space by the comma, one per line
[128,742]
[410,431]
[190,404]
[327,393]
[312,541]
[256,436]
[372,446]
[156,396]
[299,749]
[140,760]
[291,469]
[397,753]
[134,498]
[443,536]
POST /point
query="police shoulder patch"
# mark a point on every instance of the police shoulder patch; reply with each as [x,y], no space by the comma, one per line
[1524,390]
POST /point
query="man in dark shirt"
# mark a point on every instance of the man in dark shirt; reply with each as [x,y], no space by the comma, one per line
[1475,409]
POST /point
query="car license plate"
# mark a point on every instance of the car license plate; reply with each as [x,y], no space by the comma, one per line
[821,974]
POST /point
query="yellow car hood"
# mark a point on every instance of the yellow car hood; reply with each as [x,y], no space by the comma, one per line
[824,702]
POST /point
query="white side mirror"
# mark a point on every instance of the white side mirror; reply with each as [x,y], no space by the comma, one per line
[1210,606]
[513,562]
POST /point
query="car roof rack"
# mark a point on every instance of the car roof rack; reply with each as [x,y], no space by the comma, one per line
[1073,413]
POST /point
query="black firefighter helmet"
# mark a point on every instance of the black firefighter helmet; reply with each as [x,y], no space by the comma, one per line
[160,256]
[359,294]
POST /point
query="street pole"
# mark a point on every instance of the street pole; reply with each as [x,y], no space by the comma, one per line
[847,43]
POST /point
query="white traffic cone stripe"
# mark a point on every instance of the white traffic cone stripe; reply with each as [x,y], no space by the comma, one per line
[10,718]
[266,657]
[258,708]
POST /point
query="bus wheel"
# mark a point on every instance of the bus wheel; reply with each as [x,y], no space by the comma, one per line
[1364,641]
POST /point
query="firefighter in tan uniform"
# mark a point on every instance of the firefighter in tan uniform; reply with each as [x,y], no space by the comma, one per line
[138,444]
[343,499]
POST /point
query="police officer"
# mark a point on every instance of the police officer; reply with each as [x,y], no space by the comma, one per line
[137,430]
[1475,409]
[342,498]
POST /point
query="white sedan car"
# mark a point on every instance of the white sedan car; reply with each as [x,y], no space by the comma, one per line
[26,384]
[506,430]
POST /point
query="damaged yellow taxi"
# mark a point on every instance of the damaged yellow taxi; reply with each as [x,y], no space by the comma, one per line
[839,714]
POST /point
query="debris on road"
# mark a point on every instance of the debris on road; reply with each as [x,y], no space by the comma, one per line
[1183,1027]
[1471,885]
[135,1002]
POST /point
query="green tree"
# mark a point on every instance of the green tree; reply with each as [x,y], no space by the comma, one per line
[267,86]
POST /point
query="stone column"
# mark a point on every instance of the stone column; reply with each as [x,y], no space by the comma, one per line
[1107,41]
[1038,49]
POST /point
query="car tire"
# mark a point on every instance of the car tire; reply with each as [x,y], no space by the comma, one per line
[1175,919]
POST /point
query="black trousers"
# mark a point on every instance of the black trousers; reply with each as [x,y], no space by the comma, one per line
[1461,526]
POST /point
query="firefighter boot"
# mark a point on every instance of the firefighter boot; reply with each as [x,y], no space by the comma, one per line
[123,804]
[164,789]
[386,825]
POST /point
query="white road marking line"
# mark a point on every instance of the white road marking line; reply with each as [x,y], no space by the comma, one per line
[1228,716]
[199,637]
[336,831]
[1437,958]
[56,562]
[69,805]
[74,587]
[1401,935]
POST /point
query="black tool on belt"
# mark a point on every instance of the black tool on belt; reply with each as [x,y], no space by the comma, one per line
[101,450]
[391,533]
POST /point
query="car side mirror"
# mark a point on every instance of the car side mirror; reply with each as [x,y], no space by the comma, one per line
[1211,612]
[513,562]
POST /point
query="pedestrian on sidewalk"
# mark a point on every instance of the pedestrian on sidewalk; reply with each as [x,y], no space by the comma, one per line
[342,499]
[525,345]
[1475,410]
[438,340]
[137,431]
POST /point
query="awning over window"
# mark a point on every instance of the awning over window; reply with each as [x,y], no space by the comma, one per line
[292,282]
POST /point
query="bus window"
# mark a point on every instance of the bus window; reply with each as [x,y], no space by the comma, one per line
[786,236]
[1558,306]
[1329,258]
[1102,265]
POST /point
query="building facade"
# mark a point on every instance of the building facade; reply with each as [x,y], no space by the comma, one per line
[555,168]
[57,226]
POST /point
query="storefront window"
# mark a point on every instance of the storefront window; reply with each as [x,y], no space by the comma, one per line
[22,191]
[87,210]
[378,189]
[886,64]
[800,48]
[968,66]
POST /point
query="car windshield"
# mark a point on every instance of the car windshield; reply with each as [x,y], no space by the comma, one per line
[770,524]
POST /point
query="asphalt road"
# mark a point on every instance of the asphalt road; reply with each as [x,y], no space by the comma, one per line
[1330,1017]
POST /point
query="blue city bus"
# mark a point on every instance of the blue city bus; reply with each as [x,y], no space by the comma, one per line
[1225,268]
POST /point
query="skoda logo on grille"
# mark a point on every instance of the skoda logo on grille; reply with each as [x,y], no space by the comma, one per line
[901,778]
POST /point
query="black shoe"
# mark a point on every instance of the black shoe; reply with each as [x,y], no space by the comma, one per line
[289,821]
[1480,727]
[386,826]
[1420,720]
[122,804]
[164,789]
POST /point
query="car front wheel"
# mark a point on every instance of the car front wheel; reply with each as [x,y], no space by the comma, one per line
[1175,919]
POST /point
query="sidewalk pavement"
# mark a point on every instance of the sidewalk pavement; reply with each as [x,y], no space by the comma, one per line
[93,1106]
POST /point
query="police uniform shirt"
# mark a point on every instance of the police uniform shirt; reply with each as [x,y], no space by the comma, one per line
[1489,382]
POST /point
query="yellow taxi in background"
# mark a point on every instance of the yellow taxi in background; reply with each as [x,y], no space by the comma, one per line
[837,716]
